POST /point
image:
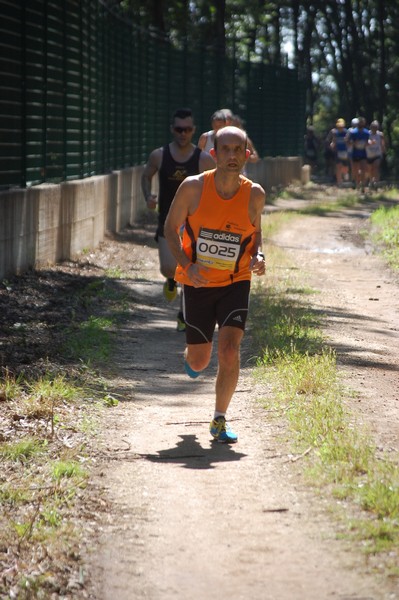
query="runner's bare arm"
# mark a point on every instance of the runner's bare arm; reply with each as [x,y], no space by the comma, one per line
[256,206]
[185,203]
[152,166]
[202,141]
[186,197]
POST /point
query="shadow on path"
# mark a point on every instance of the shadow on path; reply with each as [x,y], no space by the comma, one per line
[191,455]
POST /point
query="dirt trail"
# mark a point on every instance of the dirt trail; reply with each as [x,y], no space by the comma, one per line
[187,518]
[359,302]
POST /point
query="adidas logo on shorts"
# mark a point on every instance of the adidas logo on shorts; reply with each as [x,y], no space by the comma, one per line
[238,318]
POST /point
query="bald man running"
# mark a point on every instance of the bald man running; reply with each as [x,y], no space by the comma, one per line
[220,249]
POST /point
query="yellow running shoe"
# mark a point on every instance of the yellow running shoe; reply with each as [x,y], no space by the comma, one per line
[181,324]
[170,290]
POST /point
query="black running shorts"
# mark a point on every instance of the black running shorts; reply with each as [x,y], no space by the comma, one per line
[204,307]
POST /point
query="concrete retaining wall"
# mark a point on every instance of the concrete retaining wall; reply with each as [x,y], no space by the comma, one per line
[277,172]
[46,224]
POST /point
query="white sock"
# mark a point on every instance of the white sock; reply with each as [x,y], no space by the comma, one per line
[219,414]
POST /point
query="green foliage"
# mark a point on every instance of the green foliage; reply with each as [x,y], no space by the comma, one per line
[90,340]
[12,496]
[10,386]
[21,450]
[346,51]
[116,273]
[68,469]
[323,208]
[110,400]
[286,327]
[53,388]
[385,233]
[301,372]
[308,392]
[49,422]
[380,492]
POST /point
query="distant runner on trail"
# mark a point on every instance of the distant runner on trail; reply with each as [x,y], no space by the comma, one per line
[337,141]
[173,162]
[375,151]
[358,139]
[221,247]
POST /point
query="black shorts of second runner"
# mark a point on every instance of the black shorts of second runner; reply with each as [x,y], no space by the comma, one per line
[203,308]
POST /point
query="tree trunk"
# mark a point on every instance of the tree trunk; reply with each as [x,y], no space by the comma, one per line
[382,57]
[220,26]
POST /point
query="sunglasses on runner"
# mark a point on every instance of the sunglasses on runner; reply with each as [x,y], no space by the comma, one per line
[183,129]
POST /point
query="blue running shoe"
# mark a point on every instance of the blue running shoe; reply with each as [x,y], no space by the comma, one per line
[190,372]
[222,432]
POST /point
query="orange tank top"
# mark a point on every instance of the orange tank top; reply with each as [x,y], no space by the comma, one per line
[219,235]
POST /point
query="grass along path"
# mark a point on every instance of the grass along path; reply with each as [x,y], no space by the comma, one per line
[339,455]
[57,332]
[52,396]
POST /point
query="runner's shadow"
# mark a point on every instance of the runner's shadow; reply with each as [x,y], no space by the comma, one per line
[191,455]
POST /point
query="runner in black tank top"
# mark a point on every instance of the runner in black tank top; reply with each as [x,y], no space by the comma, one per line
[171,174]
[173,163]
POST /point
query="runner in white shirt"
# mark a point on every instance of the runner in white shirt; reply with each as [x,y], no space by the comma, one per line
[375,151]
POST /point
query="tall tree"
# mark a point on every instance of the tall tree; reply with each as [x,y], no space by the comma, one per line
[345,50]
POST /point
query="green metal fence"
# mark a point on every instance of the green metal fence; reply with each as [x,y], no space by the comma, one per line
[84,92]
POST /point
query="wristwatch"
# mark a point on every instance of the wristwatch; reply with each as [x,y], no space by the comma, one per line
[261,255]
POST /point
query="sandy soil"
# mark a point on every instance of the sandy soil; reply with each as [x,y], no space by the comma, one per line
[187,518]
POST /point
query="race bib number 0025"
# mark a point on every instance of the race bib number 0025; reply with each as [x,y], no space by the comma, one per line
[218,249]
